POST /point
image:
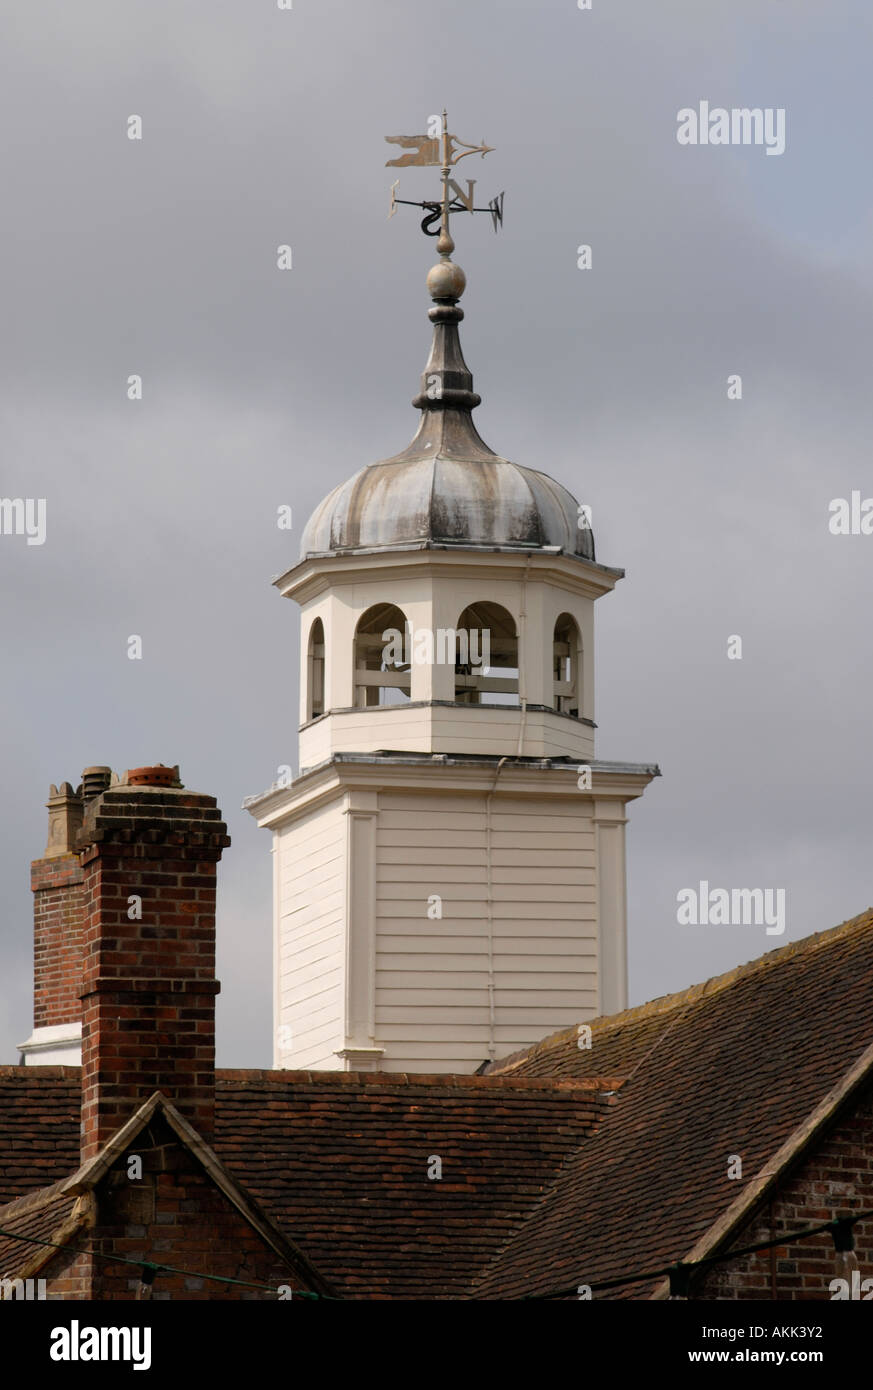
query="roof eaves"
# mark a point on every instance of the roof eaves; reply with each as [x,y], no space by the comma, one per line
[34,1258]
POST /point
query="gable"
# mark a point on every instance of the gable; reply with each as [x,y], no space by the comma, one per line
[731,1068]
[176,1214]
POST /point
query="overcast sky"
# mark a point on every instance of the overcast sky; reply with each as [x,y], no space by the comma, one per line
[263,387]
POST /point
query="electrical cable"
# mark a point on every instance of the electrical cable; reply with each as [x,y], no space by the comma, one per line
[836,1227]
[154,1268]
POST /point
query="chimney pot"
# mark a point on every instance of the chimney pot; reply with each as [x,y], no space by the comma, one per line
[157,776]
[95,781]
[65,820]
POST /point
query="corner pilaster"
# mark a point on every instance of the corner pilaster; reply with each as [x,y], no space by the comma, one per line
[359,1049]
[610,819]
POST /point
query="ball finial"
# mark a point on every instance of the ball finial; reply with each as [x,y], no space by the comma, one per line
[446,280]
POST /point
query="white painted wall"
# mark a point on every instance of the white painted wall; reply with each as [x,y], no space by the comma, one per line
[510,960]
[532,933]
[529,868]
[311,936]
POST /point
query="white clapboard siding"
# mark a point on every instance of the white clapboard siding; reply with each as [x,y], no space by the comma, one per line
[392,854]
[315,991]
[433,1004]
[318,863]
[410,933]
[460,907]
[549,1019]
[465,1054]
[552,955]
[317,1040]
[435,1030]
[420,839]
[541,857]
[438,947]
[430,962]
[311,955]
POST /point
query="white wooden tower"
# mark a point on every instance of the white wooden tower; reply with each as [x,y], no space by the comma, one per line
[448,887]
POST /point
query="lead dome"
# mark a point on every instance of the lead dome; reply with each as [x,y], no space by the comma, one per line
[447,488]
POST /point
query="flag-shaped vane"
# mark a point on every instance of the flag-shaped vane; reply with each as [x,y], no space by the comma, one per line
[442,151]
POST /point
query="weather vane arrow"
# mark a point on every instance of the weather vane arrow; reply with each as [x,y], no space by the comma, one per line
[441,151]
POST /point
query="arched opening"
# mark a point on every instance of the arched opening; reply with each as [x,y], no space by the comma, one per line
[486,656]
[567,666]
[315,671]
[382,666]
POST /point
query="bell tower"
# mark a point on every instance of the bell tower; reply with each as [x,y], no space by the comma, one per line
[449,871]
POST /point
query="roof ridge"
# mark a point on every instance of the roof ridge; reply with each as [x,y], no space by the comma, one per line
[49,1073]
[667,1003]
[402,1080]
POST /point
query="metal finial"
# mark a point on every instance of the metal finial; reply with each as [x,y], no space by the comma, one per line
[446,398]
[442,151]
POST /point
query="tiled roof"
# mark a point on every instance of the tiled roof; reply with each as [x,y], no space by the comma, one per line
[733,1066]
[39,1216]
[565,1165]
[39,1127]
[341,1159]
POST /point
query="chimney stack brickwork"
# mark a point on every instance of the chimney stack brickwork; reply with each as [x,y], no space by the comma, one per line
[149,855]
[125,940]
[57,940]
[56,881]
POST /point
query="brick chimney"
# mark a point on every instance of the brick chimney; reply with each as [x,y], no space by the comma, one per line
[149,854]
[56,881]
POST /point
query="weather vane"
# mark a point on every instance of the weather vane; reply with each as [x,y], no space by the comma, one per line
[442,151]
